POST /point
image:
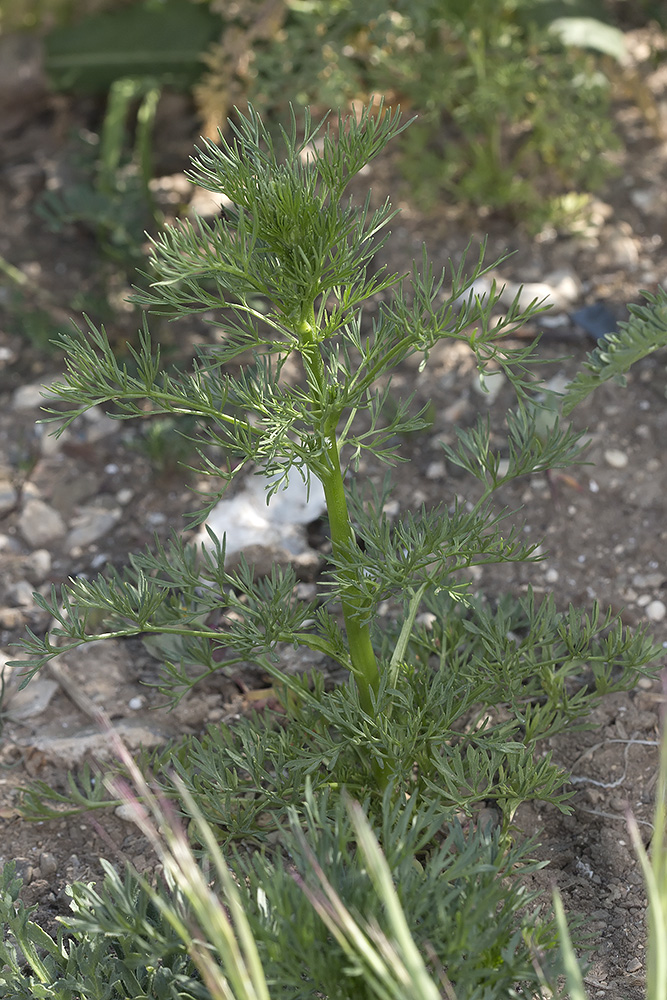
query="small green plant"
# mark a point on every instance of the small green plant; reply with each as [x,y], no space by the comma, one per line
[513,105]
[436,720]
[112,198]
[512,119]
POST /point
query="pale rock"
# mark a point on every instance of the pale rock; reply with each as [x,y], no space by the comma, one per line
[33,699]
[30,397]
[656,611]
[91,522]
[560,290]
[21,594]
[649,201]
[615,458]
[489,384]
[621,247]
[40,524]
[98,425]
[436,470]
[8,497]
[48,865]
[72,750]
[38,566]
[648,579]
[250,525]
[480,289]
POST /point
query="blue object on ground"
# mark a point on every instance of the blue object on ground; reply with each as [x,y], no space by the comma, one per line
[597,320]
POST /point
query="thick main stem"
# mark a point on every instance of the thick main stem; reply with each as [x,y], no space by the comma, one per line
[362,656]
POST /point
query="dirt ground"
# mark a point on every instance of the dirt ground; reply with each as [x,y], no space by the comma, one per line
[604,528]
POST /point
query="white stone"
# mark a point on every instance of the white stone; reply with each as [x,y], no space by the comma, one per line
[29,397]
[436,470]
[247,521]
[558,290]
[615,458]
[40,524]
[480,289]
[656,611]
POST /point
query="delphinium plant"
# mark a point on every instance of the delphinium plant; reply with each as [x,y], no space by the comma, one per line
[437,719]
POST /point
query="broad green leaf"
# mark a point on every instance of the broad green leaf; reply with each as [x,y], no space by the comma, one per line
[164,41]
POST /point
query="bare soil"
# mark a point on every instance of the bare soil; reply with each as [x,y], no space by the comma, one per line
[604,527]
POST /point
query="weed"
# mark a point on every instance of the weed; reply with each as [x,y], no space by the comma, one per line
[416,735]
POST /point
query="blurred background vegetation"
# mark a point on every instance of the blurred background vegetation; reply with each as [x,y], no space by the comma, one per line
[514,98]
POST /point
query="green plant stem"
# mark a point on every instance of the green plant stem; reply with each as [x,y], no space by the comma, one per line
[362,656]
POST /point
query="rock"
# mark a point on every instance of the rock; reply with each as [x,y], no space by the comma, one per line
[21,594]
[264,533]
[656,611]
[72,750]
[40,524]
[489,384]
[91,522]
[620,247]
[32,700]
[480,289]
[649,201]
[8,497]
[436,470]
[72,489]
[98,425]
[30,397]
[558,290]
[37,566]
[47,864]
[615,458]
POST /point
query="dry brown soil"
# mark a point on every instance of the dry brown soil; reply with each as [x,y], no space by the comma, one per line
[604,528]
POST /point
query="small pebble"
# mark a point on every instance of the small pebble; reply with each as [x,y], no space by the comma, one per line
[593,486]
[615,458]
[47,864]
[435,470]
[634,965]
[136,703]
[8,497]
[551,575]
[656,611]
[38,565]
